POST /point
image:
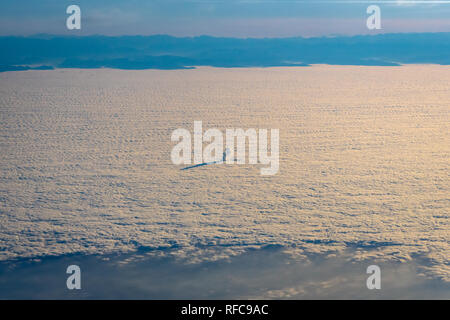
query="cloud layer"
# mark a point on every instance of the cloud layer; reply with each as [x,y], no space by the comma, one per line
[85,163]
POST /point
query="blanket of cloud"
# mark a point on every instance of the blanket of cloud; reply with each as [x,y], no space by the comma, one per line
[167,52]
[364,163]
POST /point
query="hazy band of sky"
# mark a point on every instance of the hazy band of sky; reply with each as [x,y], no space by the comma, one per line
[232,18]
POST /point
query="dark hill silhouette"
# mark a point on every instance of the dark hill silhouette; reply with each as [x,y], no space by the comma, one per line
[166,52]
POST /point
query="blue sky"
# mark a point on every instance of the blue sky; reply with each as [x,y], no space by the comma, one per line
[231,18]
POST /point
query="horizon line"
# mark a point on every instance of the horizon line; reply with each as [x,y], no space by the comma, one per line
[221,37]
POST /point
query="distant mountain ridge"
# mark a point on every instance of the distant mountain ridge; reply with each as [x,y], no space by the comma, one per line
[167,52]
